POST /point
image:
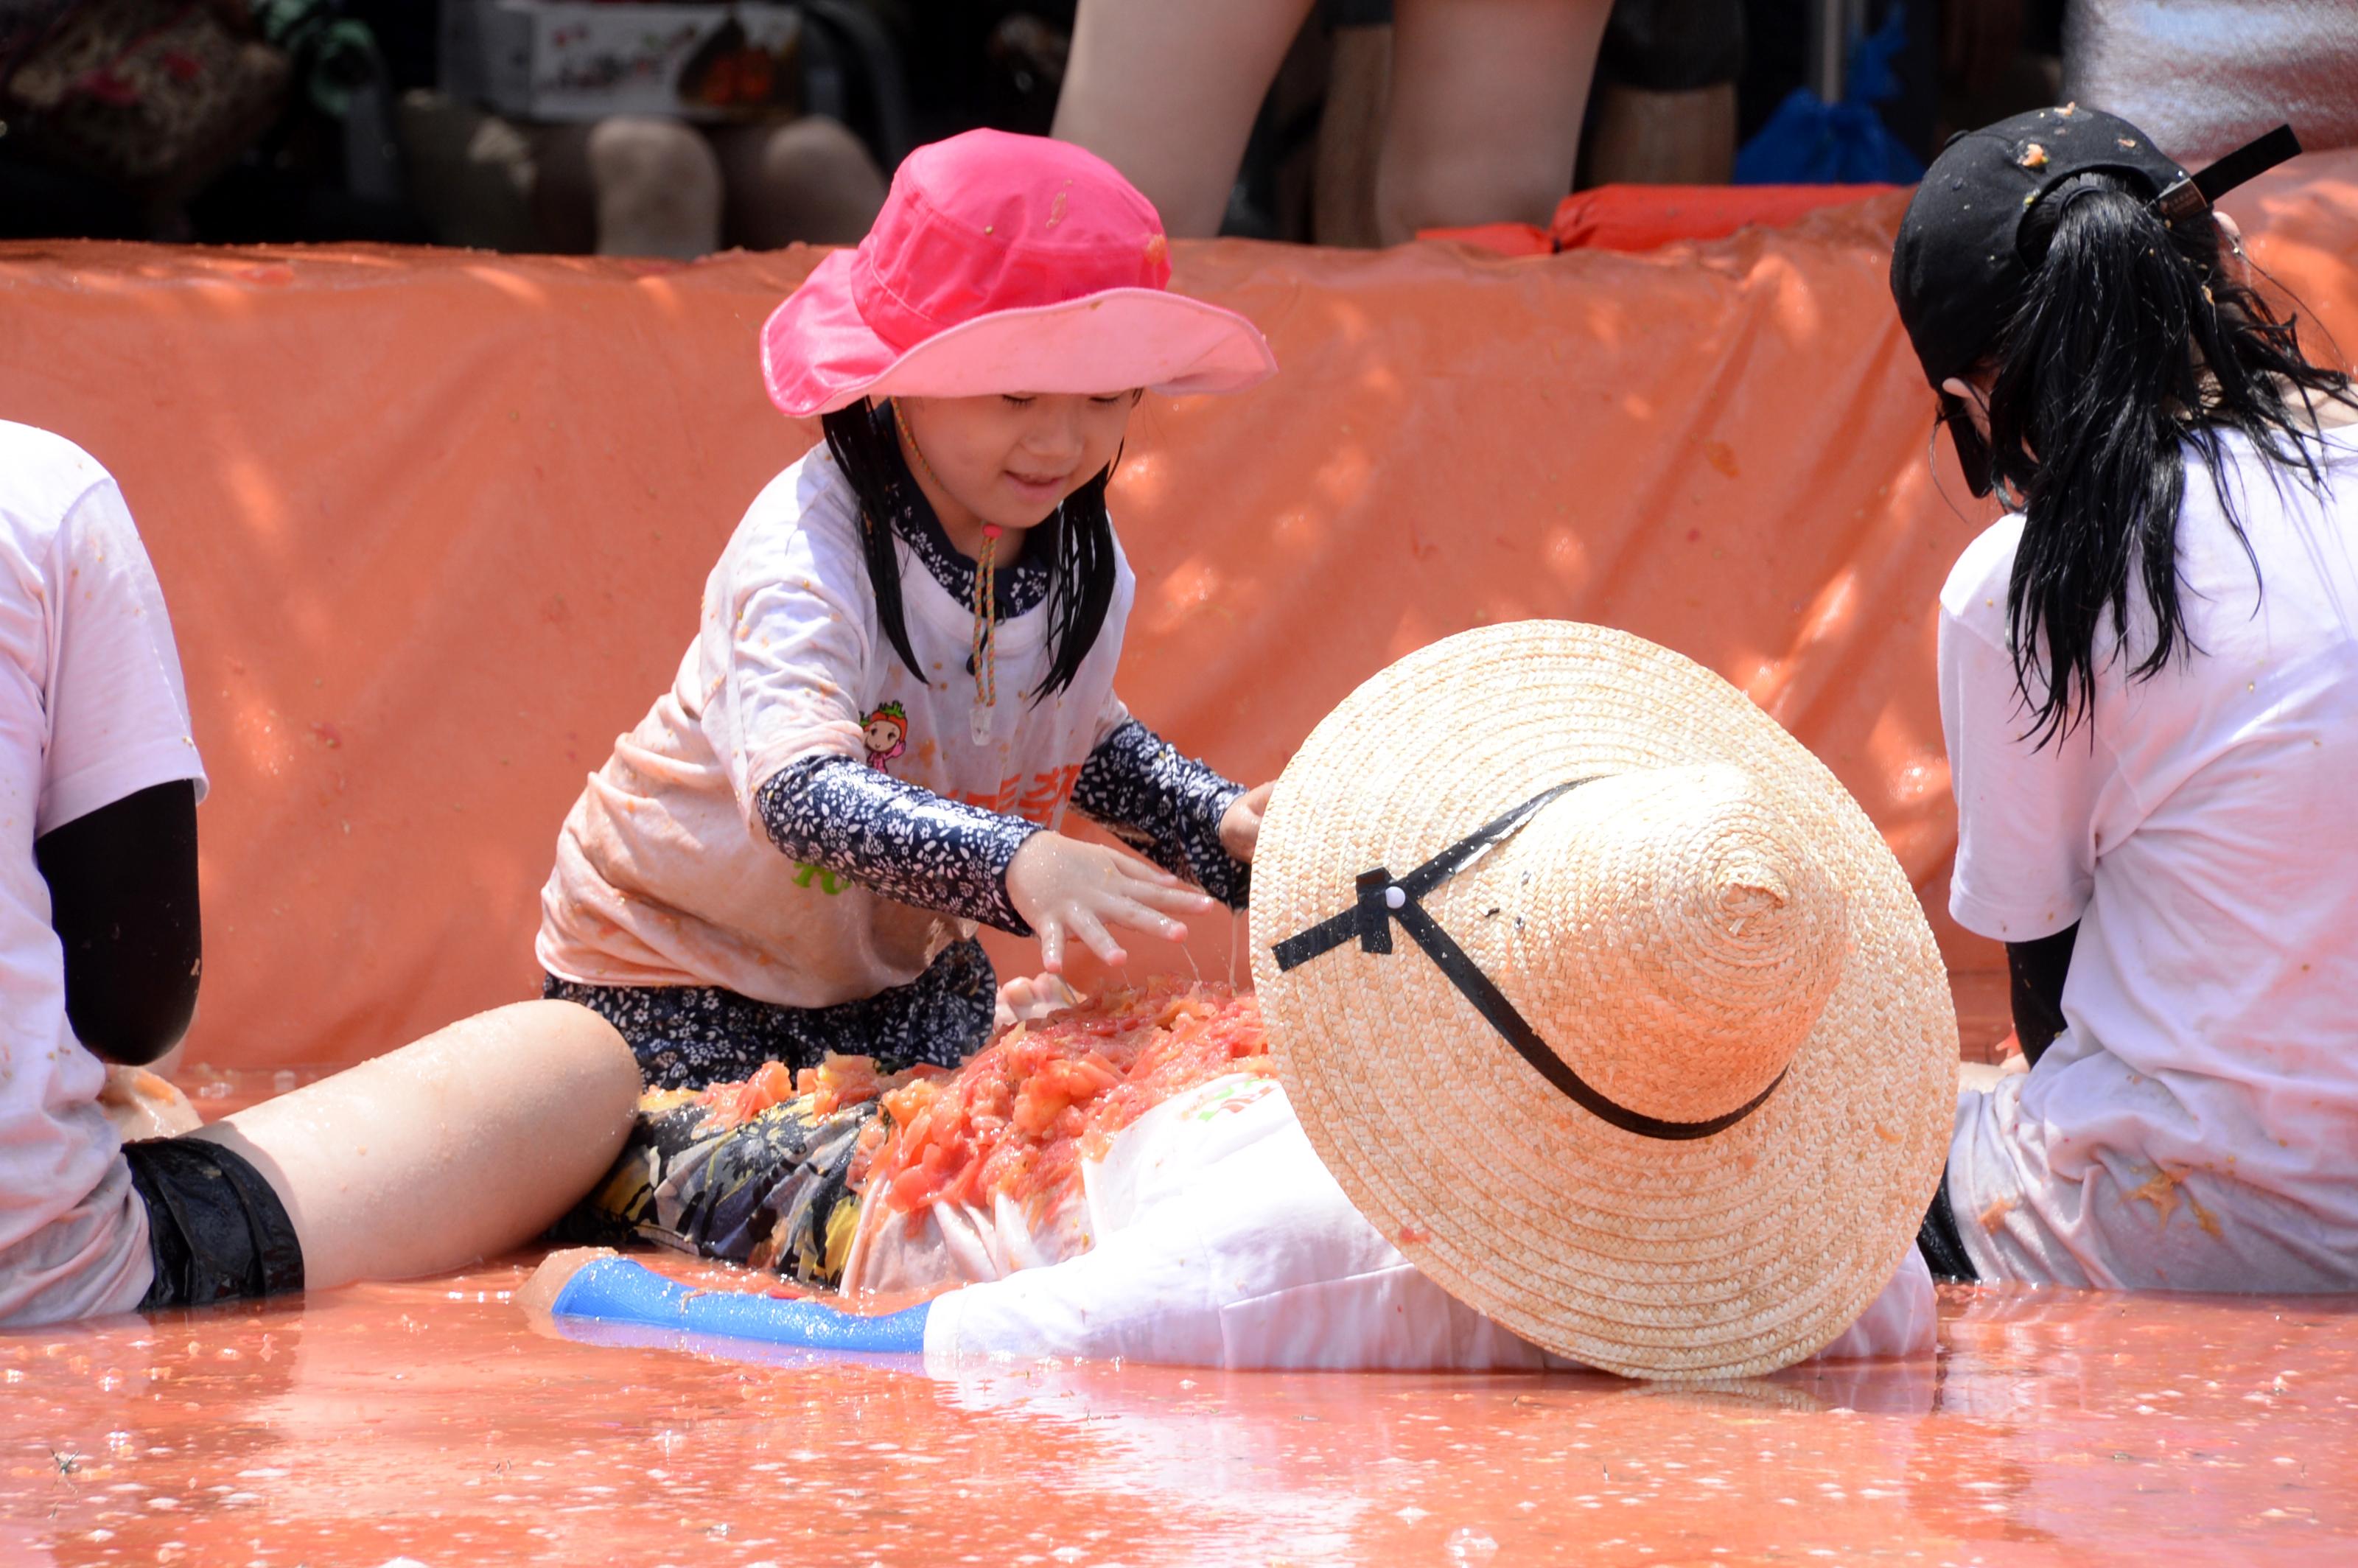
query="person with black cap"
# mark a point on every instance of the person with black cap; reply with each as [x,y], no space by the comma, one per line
[2149,689]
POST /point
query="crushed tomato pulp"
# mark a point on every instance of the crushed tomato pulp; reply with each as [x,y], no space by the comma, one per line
[1019,1117]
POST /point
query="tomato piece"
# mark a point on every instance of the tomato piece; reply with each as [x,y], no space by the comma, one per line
[1020,1118]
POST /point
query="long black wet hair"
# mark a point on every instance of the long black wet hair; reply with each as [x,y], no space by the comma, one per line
[2132,344]
[1079,539]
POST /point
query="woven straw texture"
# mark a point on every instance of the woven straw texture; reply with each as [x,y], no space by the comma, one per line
[1713,909]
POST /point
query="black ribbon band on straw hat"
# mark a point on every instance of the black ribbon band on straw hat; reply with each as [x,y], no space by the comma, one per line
[1382,899]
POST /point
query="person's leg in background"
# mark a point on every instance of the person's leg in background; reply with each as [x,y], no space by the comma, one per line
[1351,128]
[1487,104]
[458,1147]
[1666,94]
[1167,94]
[809,180]
[469,173]
[630,186]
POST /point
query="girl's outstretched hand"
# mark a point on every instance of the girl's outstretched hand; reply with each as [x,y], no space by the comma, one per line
[1061,886]
[1240,828]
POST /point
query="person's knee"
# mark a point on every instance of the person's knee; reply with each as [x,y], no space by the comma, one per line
[809,180]
[658,188]
[542,1065]
[636,155]
[570,1047]
[595,1051]
[818,148]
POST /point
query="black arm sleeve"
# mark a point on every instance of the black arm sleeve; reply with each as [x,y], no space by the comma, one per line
[122,900]
[895,839]
[2036,970]
[1166,805]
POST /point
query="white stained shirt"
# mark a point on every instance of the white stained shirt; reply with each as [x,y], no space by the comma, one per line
[91,709]
[2195,1126]
[1220,1240]
[664,874]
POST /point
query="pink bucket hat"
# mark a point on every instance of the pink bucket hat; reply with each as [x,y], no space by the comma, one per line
[1003,264]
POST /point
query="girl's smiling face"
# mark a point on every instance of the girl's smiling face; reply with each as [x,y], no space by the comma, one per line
[883,734]
[1008,461]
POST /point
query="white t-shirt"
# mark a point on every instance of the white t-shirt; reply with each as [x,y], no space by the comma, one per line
[1218,1239]
[91,709]
[664,874]
[2195,1126]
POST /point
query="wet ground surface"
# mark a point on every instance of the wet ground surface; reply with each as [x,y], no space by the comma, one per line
[427,1421]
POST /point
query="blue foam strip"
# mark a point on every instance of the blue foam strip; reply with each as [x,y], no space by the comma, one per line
[616,1290]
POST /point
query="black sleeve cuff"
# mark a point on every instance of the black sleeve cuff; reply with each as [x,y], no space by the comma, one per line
[895,839]
[2036,971]
[1166,805]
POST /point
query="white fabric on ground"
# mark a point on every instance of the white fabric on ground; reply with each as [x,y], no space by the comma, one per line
[1220,1240]
[948,1243]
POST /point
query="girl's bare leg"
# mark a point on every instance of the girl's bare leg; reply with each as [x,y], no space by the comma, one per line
[1486,102]
[457,1148]
[1167,93]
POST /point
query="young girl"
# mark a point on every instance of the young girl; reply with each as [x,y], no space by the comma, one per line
[2149,686]
[905,674]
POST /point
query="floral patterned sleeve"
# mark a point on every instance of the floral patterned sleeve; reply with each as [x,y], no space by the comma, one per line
[1167,806]
[895,839]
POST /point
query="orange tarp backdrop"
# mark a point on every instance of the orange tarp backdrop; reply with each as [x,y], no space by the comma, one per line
[433,526]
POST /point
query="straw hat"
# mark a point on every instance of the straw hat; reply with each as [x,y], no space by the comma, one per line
[1603,1000]
[1003,264]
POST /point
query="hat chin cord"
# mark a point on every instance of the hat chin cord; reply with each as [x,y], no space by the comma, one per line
[1383,899]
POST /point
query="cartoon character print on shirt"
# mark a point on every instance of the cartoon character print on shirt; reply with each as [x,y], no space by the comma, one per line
[1038,799]
[886,734]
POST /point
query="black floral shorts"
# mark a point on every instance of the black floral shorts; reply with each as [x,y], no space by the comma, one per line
[688,1037]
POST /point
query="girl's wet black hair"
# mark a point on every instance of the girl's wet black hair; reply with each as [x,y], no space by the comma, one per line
[1079,539]
[2132,344]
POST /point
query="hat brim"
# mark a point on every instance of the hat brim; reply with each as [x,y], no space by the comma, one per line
[1727,1256]
[818,355]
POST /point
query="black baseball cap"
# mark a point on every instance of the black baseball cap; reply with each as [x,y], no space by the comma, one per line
[1958,271]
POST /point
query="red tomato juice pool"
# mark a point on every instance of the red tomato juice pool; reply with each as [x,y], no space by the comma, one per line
[428,1424]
